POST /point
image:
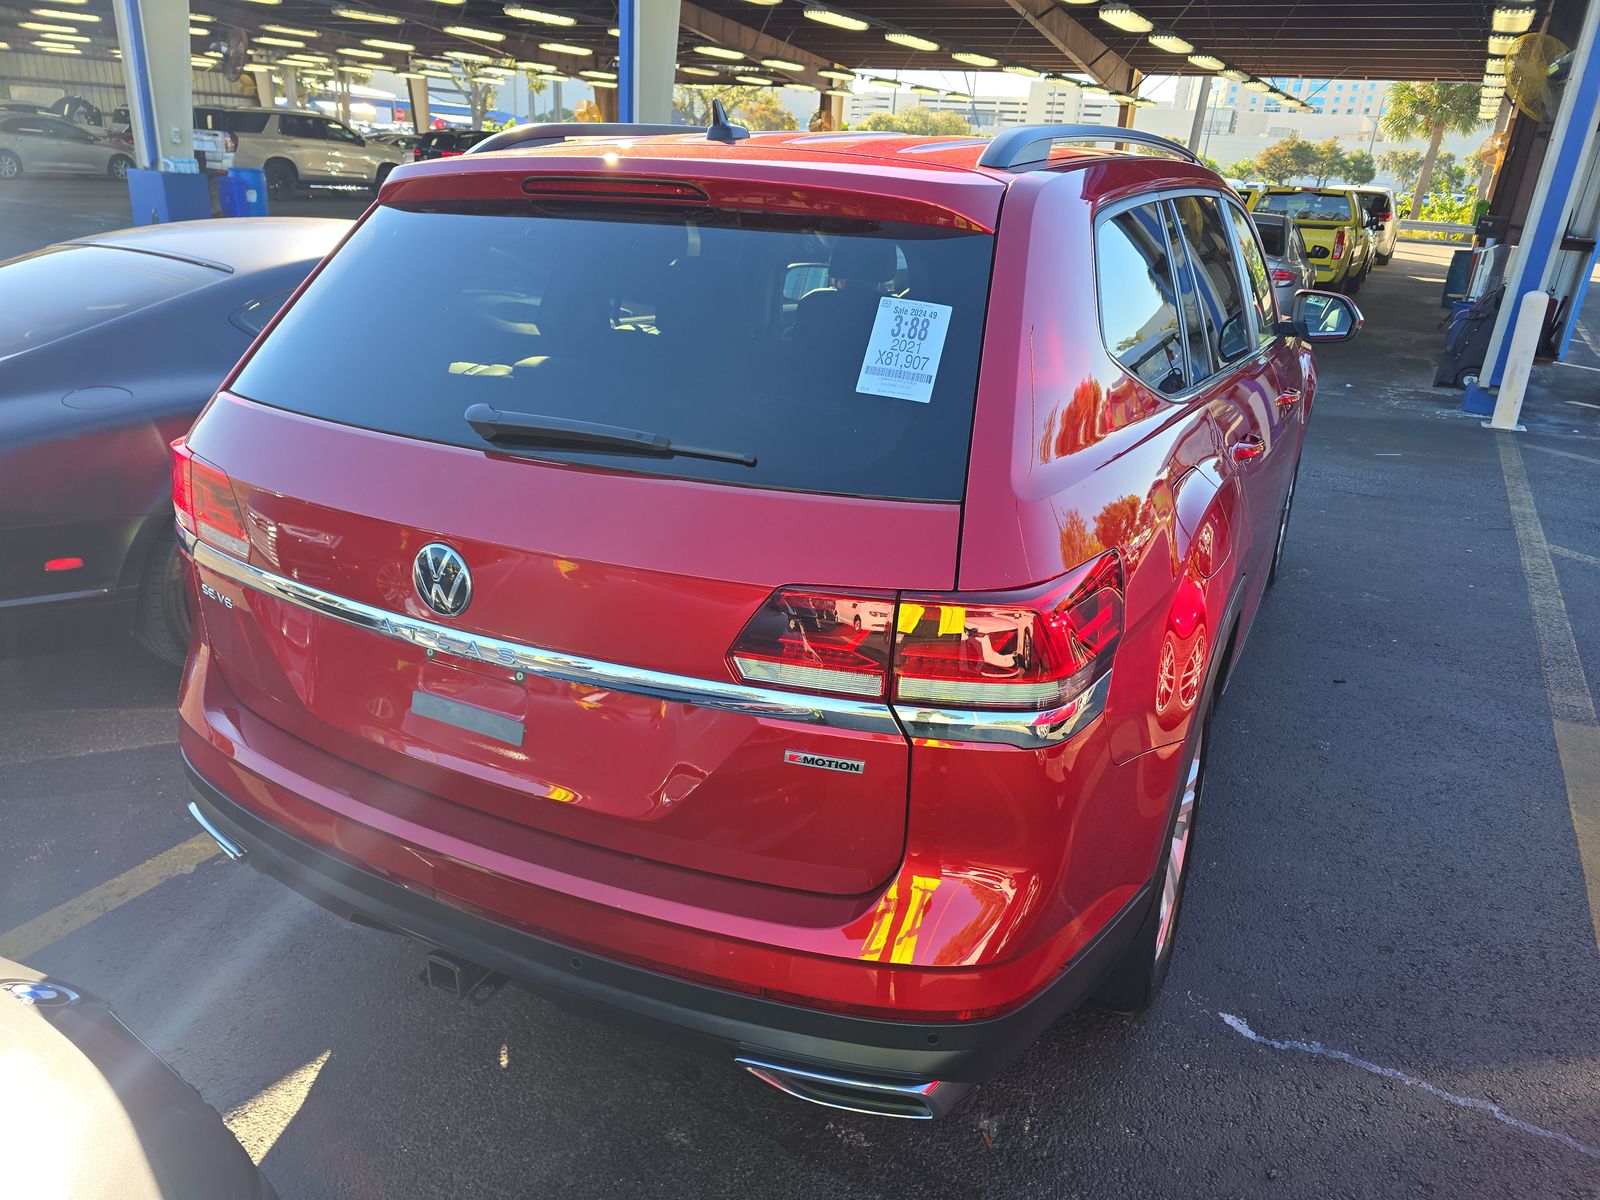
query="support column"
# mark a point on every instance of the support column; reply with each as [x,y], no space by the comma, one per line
[264,94]
[1539,264]
[1201,101]
[647,58]
[421,113]
[154,38]
[605,99]
[291,87]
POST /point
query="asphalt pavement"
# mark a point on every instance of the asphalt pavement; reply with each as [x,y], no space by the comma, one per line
[1386,982]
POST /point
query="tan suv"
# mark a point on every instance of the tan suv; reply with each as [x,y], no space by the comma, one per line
[296,147]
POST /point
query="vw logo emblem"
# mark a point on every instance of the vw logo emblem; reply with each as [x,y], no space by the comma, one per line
[442,579]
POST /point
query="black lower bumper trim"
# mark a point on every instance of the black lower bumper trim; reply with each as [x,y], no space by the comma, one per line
[723,1021]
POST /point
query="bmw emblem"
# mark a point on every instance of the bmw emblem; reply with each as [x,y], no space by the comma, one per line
[442,579]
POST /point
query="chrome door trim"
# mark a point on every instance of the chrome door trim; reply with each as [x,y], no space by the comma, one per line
[829,711]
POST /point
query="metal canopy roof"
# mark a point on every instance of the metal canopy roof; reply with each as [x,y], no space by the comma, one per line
[1374,39]
[1381,39]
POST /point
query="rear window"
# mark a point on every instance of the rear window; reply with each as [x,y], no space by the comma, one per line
[1375,203]
[1307,206]
[65,289]
[699,325]
[1271,237]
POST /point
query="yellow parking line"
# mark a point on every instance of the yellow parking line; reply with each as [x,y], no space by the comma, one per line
[1572,712]
[72,916]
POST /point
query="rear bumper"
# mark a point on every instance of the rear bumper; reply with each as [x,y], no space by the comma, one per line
[727,1023]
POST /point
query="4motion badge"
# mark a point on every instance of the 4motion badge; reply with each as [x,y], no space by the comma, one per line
[800,758]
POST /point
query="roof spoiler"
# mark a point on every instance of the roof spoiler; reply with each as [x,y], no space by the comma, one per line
[521,137]
[1030,145]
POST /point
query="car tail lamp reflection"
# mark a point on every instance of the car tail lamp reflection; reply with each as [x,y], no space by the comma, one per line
[1027,650]
[1338,244]
[814,641]
[204,504]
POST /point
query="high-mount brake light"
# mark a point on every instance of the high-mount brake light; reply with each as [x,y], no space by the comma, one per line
[1032,650]
[204,504]
[590,187]
[811,640]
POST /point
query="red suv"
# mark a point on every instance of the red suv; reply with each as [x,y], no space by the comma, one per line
[775,592]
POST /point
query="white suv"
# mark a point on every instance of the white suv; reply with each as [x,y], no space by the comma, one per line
[296,147]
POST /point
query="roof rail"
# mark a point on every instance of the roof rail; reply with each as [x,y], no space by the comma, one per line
[1029,145]
[523,136]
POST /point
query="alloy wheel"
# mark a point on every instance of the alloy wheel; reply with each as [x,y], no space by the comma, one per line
[9,166]
[1178,854]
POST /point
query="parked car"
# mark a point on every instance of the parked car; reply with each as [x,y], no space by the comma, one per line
[296,148]
[214,146]
[110,345]
[1378,203]
[105,1118]
[1337,231]
[40,143]
[1287,258]
[446,143]
[783,676]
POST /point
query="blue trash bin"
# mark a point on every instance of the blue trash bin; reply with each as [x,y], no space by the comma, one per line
[231,196]
[255,190]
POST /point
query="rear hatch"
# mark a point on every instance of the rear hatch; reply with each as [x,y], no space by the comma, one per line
[1326,219]
[431,402]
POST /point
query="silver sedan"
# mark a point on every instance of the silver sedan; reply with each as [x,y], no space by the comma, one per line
[1286,258]
[40,142]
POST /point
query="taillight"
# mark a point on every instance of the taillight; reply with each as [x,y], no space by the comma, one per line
[203,502]
[416,154]
[1279,275]
[1025,650]
[1338,244]
[449,154]
[809,640]
[1386,215]
[230,142]
[1029,650]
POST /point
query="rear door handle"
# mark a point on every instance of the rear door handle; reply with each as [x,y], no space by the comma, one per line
[1248,447]
[1288,399]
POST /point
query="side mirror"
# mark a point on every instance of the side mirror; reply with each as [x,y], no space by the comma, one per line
[1323,317]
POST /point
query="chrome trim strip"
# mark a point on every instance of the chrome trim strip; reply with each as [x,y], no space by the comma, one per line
[1028,730]
[793,1080]
[224,843]
[833,713]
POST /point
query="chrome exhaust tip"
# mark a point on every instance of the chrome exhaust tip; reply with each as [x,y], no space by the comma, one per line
[224,843]
[876,1097]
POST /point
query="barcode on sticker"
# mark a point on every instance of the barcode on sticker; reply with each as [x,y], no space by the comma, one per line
[894,373]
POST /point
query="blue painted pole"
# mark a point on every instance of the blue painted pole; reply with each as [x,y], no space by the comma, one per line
[136,79]
[628,60]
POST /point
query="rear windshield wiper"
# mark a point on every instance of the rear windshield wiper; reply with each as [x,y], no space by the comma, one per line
[534,430]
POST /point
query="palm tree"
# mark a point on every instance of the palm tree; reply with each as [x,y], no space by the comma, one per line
[1429,110]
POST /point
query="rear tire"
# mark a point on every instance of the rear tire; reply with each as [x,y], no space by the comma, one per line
[282,179]
[1134,981]
[164,618]
[117,168]
[10,165]
[1383,259]
[1352,283]
[381,174]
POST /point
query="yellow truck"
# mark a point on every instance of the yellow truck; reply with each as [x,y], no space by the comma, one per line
[1335,226]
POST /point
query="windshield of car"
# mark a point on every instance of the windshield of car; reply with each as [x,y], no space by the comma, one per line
[841,354]
[65,289]
[1271,237]
[1307,206]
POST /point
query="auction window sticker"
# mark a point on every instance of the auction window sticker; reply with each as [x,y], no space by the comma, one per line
[902,358]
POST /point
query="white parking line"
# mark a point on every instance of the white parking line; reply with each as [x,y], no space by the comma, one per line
[1574,554]
[1241,1026]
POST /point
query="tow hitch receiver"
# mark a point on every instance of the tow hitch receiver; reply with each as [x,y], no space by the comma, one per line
[462,978]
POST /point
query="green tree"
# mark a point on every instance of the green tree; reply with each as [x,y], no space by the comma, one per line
[1358,168]
[1244,168]
[693,103]
[1328,161]
[765,112]
[1210,163]
[1448,175]
[1430,110]
[917,119]
[1286,160]
[1404,165]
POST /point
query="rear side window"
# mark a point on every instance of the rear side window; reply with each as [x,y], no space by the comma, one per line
[1222,302]
[1255,269]
[672,321]
[66,289]
[1138,297]
[303,127]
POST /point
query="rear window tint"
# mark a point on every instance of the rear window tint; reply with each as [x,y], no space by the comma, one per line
[679,322]
[65,289]
[231,120]
[1307,206]
[1271,237]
